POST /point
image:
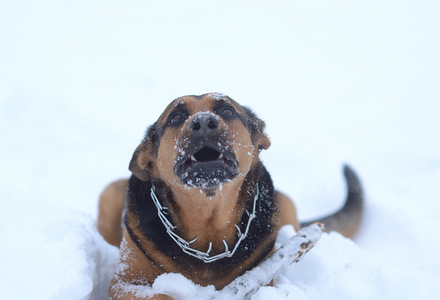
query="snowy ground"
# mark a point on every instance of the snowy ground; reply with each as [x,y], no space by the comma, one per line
[335,81]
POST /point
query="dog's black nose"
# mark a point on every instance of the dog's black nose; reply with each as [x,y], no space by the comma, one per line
[204,124]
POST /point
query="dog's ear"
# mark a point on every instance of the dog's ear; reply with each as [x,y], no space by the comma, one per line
[142,162]
[256,127]
[263,141]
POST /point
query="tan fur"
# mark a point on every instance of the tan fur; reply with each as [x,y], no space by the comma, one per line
[288,210]
[213,221]
[111,202]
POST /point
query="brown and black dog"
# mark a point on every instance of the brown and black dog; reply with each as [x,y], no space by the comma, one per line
[200,202]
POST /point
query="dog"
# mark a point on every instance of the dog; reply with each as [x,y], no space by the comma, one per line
[199,201]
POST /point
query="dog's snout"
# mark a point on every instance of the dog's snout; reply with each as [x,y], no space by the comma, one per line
[204,124]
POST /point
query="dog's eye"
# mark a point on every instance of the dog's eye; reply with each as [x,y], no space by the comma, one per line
[228,112]
[176,118]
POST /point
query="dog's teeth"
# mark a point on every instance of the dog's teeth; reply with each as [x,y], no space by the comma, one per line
[221,156]
[193,158]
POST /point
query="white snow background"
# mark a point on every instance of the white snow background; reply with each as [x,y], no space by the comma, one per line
[336,81]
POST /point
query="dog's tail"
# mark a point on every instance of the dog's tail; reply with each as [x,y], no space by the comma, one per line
[348,219]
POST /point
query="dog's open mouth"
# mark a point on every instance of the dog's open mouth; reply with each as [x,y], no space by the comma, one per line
[206,167]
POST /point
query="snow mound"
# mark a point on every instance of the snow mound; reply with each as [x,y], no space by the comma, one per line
[335,269]
[65,257]
[61,257]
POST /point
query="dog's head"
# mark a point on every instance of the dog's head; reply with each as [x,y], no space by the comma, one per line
[200,141]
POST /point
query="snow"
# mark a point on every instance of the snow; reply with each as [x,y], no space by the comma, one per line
[335,82]
[218,96]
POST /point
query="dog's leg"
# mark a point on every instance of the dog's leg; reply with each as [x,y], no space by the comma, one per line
[287,210]
[136,274]
[111,203]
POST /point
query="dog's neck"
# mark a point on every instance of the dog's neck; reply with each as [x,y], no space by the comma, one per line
[208,215]
[208,232]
